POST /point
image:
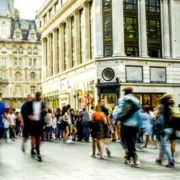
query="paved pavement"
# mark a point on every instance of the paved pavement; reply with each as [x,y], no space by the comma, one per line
[73,161]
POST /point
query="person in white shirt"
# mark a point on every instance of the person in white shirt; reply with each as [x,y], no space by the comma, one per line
[36,113]
[12,118]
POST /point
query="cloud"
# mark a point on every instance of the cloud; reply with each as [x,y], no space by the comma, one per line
[28,8]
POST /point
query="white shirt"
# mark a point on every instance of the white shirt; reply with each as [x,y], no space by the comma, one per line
[36,110]
[12,119]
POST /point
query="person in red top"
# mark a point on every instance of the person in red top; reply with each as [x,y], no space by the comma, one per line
[97,130]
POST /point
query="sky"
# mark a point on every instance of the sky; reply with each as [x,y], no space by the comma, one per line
[28,8]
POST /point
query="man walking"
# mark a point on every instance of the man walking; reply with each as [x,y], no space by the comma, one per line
[36,113]
[130,120]
[25,121]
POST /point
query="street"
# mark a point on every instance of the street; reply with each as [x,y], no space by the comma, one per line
[73,161]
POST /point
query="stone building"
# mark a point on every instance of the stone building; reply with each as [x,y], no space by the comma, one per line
[20,55]
[94,48]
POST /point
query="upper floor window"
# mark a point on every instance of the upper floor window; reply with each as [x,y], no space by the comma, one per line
[17,75]
[34,62]
[153,22]
[32,36]
[33,75]
[130,4]
[131,36]
[107,27]
[29,50]
[4,50]
[20,50]
[24,26]
[3,62]
[18,35]
[153,5]
[15,50]
[35,51]
[33,88]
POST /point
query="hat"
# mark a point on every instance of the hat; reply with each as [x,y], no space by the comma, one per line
[128,90]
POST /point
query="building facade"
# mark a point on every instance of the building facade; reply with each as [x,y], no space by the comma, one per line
[20,56]
[94,48]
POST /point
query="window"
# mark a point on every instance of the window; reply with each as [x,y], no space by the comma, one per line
[134,73]
[32,36]
[107,27]
[18,35]
[30,61]
[15,61]
[15,50]
[153,21]
[35,51]
[157,74]
[20,50]
[34,62]
[24,26]
[131,28]
[73,41]
[130,5]
[3,62]
[33,75]
[33,88]
[81,35]
[29,50]
[17,75]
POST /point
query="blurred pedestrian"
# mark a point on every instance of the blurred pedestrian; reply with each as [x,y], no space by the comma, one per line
[165,130]
[25,121]
[130,121]
[36,113]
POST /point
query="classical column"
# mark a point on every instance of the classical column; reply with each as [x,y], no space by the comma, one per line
[69,44]
[87,31]
[142,29]
[55,46]
[44,58]
[77,37]
[165,26]
[98,31]
[118,28]
[61,47]
[48,71]
[51,55]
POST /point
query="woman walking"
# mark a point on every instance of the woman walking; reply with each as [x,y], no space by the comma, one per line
[97,130]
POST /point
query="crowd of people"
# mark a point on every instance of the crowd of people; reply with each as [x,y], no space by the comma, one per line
[128,122]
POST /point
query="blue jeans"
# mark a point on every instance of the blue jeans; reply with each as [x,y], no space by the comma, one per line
[164,144]
[49,133]
[85,127]
[59,132]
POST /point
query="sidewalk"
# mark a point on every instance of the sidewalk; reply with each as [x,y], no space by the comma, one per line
[73,162]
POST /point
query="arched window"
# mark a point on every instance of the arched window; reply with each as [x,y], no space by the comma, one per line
[29,50]
[33,75]
[35,51]
[17,75]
